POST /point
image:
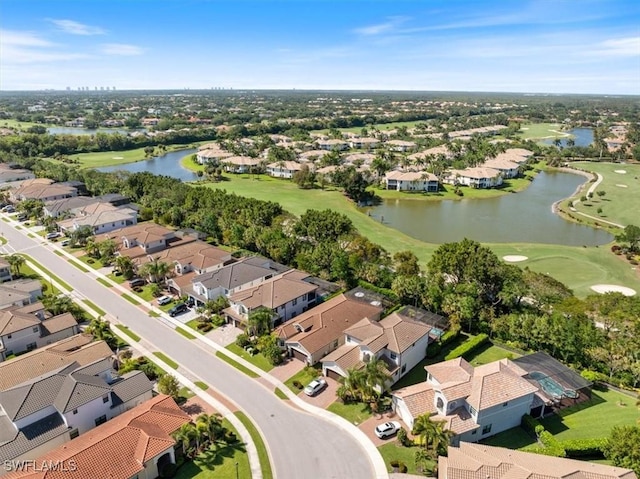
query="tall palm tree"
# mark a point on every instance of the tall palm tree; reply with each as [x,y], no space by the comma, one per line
[424,428]
[101,331]
[376,379]
[16,262]
[212,425]
[351,385]
[259,322]
[185,435]
[91,247]
[441,438]
[156,270]
[125,265]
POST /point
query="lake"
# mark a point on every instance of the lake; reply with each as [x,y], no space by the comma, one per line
[167,165]
[582,137]
[524,217]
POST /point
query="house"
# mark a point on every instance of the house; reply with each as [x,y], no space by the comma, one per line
[212,155]
[42,189]
[283,169]
[411,181]
[479,461]
[231,278]
[65,206]
[313,155]
[196,256]
[141,239]
[474,403]
[27,328]
[5,271]
[401,342]
[478,177]
[48,410]
[507,168]
[239,164]
[401,145]
[8,174]
[312,335]
[368,143]
[19,292]
[79,348]
[136,444]
[332,144]
[100,218]
[286,295]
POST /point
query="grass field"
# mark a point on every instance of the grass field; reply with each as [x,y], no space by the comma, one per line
[108,158]
[304,377]
[579,268]
[96,308]
[393,451]
[128,332]
[536,131]
[236,365]
[21,125]
[185,333]
[189,164]
[621,203]
[166,359]
[257,359]
[490,353]
[263,455]
[379,126]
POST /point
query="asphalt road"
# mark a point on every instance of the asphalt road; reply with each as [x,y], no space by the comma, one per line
[301,445]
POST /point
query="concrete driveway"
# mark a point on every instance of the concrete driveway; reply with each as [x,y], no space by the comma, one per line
[370,424]
[325,397]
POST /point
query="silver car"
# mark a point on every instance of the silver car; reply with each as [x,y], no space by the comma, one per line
[315,386]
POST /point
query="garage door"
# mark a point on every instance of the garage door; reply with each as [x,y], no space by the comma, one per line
[298,355]
[333,375]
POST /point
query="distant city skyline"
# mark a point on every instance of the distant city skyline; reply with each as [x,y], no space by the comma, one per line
[536,46]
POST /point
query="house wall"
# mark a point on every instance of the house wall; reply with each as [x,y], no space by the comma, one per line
[85,419]
[36,416]
[52,338]
[5,274]
[503,417]
[412,356]
[280,172]
[400,407]
[327,348]
[290,310]
[116,411]
[107,227]
[20,339]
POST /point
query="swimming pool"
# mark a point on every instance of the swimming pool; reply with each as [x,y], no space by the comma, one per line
[551,387]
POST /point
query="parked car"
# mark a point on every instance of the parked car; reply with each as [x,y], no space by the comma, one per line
[8,209]
[387,429]
[52,235]
[162,300]
[65,243]
[136,282]
[178,309]
[315,386]
[21,217]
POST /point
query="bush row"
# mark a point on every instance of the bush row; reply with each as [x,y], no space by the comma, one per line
[553,447]
[434,348]
[467,347]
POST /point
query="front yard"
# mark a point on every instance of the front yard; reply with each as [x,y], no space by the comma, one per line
[355,413]
[257,359]
[393,451]
[303,377]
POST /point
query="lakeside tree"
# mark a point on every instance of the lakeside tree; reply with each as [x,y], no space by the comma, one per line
[631,236]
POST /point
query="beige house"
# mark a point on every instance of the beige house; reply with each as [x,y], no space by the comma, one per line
[364,143]
[411,181]
[42,189]
[509,169]
[283,169]
[479,177]
[333,144]
[239,164]
[401,145]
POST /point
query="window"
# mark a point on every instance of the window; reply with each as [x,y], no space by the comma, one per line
[35,329]
[31,346]
[335,343]
[295,301]
[472,410]
[105,398]
[73,434]
[393,355]
[75,411]
[486,429]
[404,368]
[101,420]
[504,404]
[474,431]
[8,336]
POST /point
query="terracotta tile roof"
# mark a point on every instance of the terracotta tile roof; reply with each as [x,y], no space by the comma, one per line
[141,232]
[119,448]
[491,387]
[326,322]
[51,357]
[276,291]
[479,461]
[198,254]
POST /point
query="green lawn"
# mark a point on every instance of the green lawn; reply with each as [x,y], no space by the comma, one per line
[78,265]
[220,463]
[257,359]
[104,282]
[91,262]
[304,377]
[193,324]
[263,455]
[108,158]
[21,125]
[355,413]
[236,365]
[490,353]
[185,333]
[189,164]
[202,385]
[538,131]
[622,200]
[577,267]
[514,438]
[280,394]
[131,299]
[167,360]
[128,332]
[594,418]
[379,126]
[92,305]
[394,451]
[116,279]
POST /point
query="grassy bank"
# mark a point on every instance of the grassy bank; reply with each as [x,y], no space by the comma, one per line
[190,164]
[538,131]
[578,267]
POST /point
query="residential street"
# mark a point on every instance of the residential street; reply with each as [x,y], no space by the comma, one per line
[301,445]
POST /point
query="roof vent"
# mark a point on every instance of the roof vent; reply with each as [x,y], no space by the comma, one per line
[376,303]
[359,294]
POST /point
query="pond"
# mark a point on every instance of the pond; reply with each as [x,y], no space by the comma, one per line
[524,217]
[581,136]
[167,165]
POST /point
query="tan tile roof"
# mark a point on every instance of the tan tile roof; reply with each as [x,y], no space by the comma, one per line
[241,161]
[477,173]
[454,371]
[501,164]
[326,322]
[402,333]
[141,232]
[12,321]
[58,323]
[198,254]
[479,461]
[51,357]
[497,383]
[418,398]
[410,176]
[346,357]
[285,165]
[119,448]
[276,291]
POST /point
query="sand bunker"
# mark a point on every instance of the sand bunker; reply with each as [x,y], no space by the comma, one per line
[117,158]
[612,288]
[514,258]
[621,172]
[621,186]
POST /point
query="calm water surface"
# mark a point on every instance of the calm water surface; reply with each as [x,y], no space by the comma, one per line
[524,217]
[167,165]
[582,137]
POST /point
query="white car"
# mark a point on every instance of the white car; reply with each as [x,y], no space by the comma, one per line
[387,429]
[315,386]
[164,300]
[52,235]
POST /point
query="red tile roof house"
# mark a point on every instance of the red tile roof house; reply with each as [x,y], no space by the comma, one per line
[314,334]
[478,461]
[475,403]
[401,342]
[136,444]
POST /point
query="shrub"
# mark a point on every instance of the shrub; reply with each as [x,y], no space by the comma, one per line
[552,446]
[467,347]
[584,447]
[593,376]
[449,336]
[530,424]
[394,463]
[206,327]
[433,350]
[297,384]
[402,468]
[403,438]
[217,320]
[243,340]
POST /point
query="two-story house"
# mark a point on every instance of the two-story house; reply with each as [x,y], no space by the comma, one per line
[26,328]
[411,181]
[5,271]
[19,292]
[100,217]
[42,413]
[286,295]
[283,169]
[399,341]
[42,189]
[474,403]
[479,177]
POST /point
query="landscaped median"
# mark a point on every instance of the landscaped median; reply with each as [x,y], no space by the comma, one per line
[263,455]
[52,276]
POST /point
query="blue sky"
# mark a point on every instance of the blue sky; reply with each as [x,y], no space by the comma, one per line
[555,46]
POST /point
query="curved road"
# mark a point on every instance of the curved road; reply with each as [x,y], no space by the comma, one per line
[301,445]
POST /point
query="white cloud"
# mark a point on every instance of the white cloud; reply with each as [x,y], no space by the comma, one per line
[77,28]
[23,47]
[620,47]
[121,49]
[25,39]
[387,27]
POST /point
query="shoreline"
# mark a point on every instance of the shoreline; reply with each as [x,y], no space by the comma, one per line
[589,175]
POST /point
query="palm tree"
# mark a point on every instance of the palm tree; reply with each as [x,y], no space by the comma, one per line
[259,322]
[425,428]
[212,425]
[15,263]
[185,435]
[441,438]
[156,270]
[351,385]
[91,247]
[125,265]
[376,379]
[101,331]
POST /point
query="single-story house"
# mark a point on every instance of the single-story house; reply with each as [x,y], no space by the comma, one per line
[42,189]
[8,174]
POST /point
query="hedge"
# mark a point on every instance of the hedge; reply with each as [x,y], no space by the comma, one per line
[553,447]
[584,447]
[376,289]
[467,347]
[529,424]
